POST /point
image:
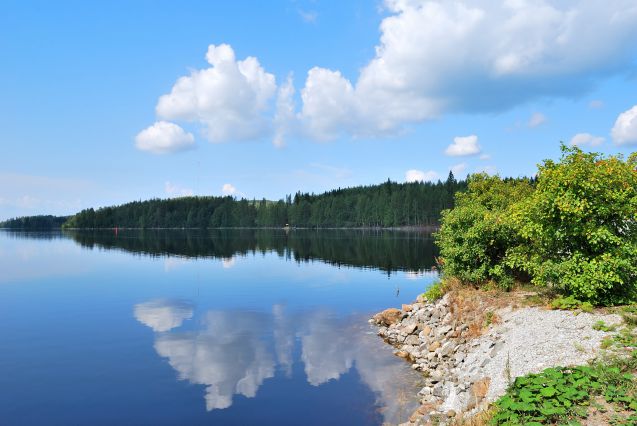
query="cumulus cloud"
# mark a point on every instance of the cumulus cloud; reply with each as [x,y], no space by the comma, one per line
[433,57]
[537,119]
[436,57]
[420,176]
[163,314]
[173,190]
[228,99]
[164,137]
[463,146]
[586,139]
[228,189]
[624,131]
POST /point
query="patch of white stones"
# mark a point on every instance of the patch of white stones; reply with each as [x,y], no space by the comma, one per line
[463,375]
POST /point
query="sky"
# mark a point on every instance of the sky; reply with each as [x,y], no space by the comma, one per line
[102,103]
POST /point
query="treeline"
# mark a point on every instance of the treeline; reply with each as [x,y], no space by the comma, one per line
[389,204]
[386,250]
[35,222]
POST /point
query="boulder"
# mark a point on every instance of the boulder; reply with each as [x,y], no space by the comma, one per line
[435,345]
[389,316]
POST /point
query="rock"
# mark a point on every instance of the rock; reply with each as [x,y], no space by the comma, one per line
[451,413]
[442,331]
[410,328]
[447,348]
[388,316]
[402,354]
[412,340]
[407,308]
[435,345]
[439,390]
[424,391]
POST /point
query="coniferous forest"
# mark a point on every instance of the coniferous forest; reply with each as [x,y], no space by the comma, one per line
[389,204]
[35,222]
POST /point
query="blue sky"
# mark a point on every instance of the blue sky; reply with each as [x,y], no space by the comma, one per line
[106,102]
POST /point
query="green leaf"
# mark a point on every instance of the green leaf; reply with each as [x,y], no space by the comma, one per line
[548,392]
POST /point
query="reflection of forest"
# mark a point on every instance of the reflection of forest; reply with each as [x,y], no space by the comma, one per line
[385,250]
[231,353]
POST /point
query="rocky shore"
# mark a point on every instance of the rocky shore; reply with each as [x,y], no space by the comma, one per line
[470,350]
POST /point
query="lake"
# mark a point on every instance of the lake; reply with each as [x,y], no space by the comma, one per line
[225,327]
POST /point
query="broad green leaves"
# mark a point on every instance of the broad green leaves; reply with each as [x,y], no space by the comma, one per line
[575,231]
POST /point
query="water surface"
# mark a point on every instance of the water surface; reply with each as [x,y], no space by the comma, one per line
[205,327]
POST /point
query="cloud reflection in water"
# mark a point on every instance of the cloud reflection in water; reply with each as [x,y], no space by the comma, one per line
[232,355]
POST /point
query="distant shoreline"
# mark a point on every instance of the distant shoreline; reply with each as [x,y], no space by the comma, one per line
[425,228]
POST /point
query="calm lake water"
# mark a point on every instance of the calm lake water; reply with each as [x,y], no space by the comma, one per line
[220,327]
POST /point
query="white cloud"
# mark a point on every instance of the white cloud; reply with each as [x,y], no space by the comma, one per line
[420,176]
[163,314]
[624,131]
[433,57]
[596,104]
[228,99]
[329,104]
[485,157]
[463,146]
[436,57]
[586,139]
[228,189]
[173,190]
[537,119]
[458,169]
[164,137]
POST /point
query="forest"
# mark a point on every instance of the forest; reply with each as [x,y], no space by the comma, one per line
[43,222]
[390,204]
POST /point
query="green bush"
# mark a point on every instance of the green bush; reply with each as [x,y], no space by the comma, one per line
[475,235]
[579,227]
[575,231]
[563,395]
[570,303]
[434,292]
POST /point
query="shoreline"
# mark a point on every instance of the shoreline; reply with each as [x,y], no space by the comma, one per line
[470,348]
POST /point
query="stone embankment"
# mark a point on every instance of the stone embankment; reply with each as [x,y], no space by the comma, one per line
[469,358]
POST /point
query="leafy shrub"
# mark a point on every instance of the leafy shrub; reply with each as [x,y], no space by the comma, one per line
[434,292]
[602,326]
[579,227]
[561,395]
[475,236]
[570,303]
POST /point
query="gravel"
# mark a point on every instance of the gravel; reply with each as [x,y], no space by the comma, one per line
[528,340]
